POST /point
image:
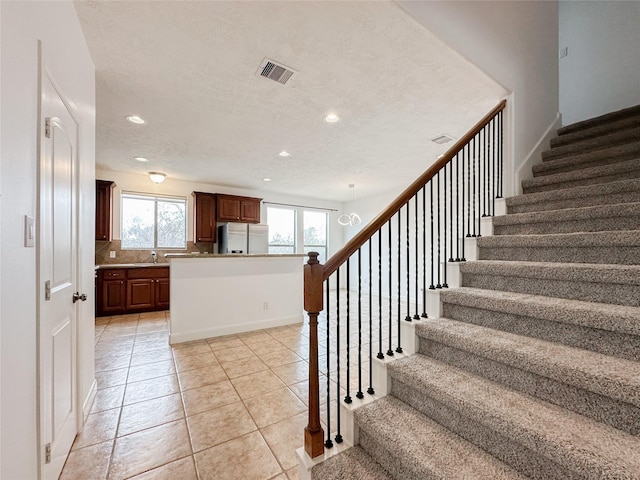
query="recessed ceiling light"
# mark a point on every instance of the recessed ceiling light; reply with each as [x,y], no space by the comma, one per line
[266,179]
[140,159]
[332,118]
[135,119]
[284,153]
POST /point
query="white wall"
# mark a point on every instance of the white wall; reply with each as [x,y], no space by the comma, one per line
[515,43]
[140,183]
[601,72]
[66,55]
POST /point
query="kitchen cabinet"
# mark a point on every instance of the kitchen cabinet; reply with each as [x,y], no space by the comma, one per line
[231,208]
[104,200]
[132,290]
[204,217]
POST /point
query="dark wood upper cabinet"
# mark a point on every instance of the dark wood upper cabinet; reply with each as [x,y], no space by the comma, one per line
[204,217]
[104,190]
[232,208]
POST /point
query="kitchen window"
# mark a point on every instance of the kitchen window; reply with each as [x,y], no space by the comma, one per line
[153,222]
[315,233]
[282,230]
[286,236]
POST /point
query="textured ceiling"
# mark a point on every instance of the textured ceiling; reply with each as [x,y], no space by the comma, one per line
[189,69]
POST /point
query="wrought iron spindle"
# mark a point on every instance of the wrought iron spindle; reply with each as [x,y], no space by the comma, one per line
[483,170]
[443,265]
[464,185]
[479,159]
[432,286]
[399,347]
[347,398]
[457,182]
[424,252]
[328,443]
[408,317]
[359,393]
[438,285]
[473,181]
[451,211]
[338,437]
[370,390]
[390,350]
[416,316]
[500,154]
[380,354]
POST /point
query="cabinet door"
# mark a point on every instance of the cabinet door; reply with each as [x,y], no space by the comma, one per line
[250,210]
[113,297]
[204,217]
[140,293]
[103,210]
[228,209]
[162,293]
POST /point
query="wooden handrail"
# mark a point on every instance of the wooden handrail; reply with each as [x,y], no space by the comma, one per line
[363,235]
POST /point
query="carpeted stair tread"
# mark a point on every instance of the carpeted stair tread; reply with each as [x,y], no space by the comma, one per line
[580,160]
[586,176]
[624,216]
[598,131]
[600,120]
[614,318]
[608,376]
[612,247]
[604,142]
[604,193]
[424,449]
[578,443]
[352,464]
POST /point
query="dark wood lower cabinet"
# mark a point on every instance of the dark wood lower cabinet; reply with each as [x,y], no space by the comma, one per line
[132,290]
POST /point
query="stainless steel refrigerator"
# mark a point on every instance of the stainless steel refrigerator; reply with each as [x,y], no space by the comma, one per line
[243,238]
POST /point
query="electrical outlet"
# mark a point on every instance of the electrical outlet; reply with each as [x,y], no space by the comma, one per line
[112,254]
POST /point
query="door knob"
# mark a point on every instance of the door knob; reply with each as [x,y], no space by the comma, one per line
[77,296]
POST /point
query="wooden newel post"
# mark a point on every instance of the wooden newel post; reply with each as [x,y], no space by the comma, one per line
[313,305]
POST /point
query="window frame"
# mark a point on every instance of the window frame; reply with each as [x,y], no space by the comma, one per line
[155,198]
[299,245]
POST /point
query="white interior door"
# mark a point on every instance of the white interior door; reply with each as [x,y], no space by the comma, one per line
[57,280]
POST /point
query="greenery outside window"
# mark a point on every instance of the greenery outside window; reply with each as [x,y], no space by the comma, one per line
[153,222]
[315,233]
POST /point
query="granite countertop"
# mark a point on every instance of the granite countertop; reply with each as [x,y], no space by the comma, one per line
[232,255]
[132,265]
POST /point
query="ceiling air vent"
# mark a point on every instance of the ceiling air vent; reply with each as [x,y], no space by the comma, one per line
[275,71]
[440,139]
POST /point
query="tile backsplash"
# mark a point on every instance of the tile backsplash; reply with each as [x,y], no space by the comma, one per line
[141,256]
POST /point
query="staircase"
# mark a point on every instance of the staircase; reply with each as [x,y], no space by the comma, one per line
[533,369]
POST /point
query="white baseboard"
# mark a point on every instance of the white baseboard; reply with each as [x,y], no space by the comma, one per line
[88,401]
[232,329]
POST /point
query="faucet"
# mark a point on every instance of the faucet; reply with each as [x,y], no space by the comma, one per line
[154,255]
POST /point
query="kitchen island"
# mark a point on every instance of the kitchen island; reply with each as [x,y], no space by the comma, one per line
[213,295]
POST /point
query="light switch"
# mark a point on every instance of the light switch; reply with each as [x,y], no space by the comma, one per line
[29,231]
[112,254]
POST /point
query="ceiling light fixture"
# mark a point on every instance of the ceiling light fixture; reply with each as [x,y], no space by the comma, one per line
[350,219]
[140,159]
[157,177]
[332,118]
[284,153]
[266,179]
[135,119]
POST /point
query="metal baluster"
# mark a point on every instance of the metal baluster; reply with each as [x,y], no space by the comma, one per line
[359,394]
[380,354]
[464,187]
[399,348]
[338,437]
[483,169]
[347,398]
[473,181]
[458,208]
[416,316]
[370,390]
[443,265]
[479,182]
[390,350]
[432,286]
[408,317]
[487,163]
[328,443]
[439,285]
[451,210]
[500,154]
[424,252]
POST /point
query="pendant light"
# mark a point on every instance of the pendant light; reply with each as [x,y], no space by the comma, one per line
[350,219]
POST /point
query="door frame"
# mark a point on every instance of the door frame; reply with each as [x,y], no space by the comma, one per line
[44,74]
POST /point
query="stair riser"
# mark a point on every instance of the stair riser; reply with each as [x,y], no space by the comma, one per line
[385,457]
[593,339]
[617,294]
[623,255]
[603,409]
[607,119]
[593,144]
[504,448]
[580,182]
[624,197]
[631,222]
[579,163]
[594,132]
